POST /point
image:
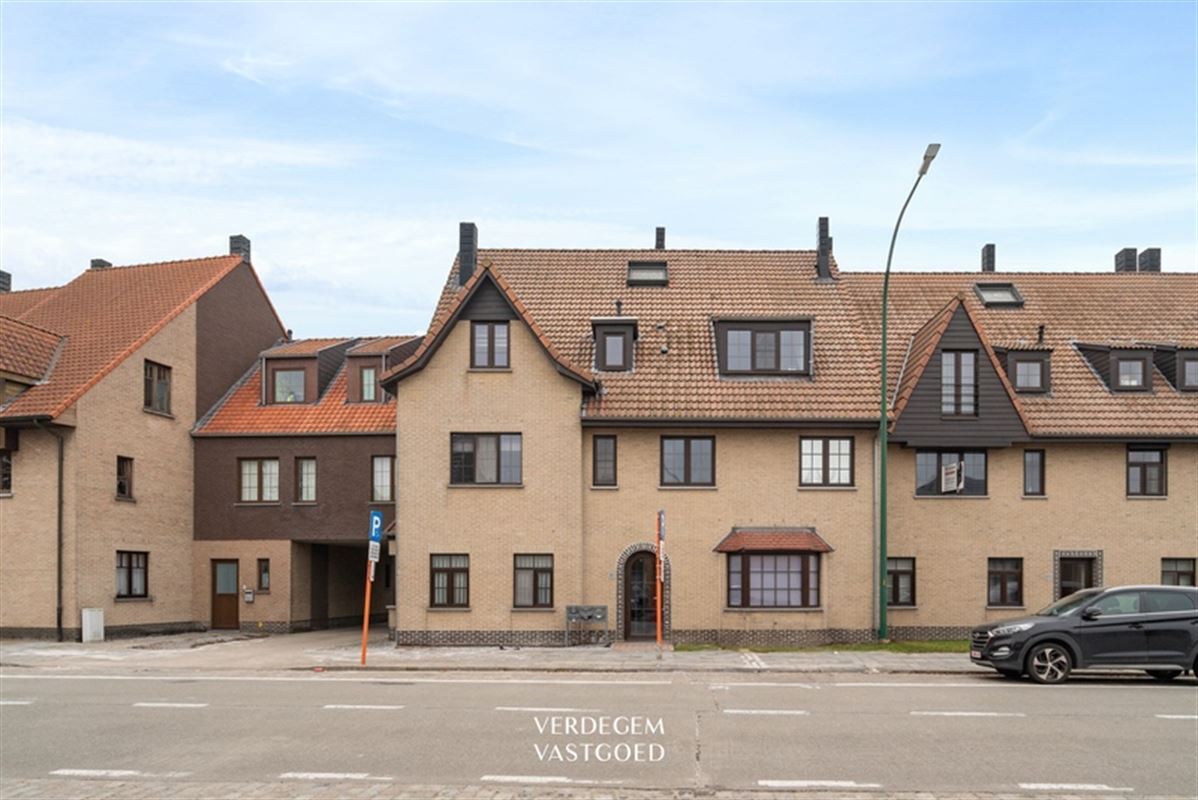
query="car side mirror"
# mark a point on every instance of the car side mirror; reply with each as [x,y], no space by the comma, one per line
[1092,613]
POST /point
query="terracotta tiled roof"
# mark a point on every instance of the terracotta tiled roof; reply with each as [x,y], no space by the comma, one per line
[378,345]
[14,304]
[795,540]
[304,347]
[105,315]
[240,412]
[1073,307]
[26,350]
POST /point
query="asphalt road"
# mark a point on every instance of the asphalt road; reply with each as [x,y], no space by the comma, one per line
[882,733]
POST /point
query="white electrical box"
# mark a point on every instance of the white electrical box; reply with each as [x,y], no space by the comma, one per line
[93,624]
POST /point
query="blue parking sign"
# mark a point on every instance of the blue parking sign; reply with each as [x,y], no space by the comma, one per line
[376,526]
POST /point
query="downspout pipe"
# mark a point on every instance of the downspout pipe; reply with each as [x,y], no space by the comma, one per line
[59,522]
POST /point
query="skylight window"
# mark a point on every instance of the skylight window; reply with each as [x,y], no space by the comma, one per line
[997,295]
[647,273]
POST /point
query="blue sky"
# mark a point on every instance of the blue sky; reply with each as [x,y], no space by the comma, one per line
[348,140]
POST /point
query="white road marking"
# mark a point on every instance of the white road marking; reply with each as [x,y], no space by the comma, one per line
[547,710]
[291,679]
[15,702]
[116,773]
[967,714]
[818,785]
[766,684]
[752,660]
[768,711]
[525,779]
[332,776]
[170,705]
[1074,787]
[362,707]
[887,685]
[1177,716]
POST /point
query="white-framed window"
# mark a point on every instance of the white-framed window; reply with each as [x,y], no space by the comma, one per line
[382,488]
[305,480]
[825,461]
[259,480]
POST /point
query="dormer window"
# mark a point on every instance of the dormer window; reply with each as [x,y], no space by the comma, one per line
[289,386]
[1028,371]
[647,273]
[489,345]
[614,350]
[764,348]
[1187,372]
[370,384]
[1130,374]
[958,383]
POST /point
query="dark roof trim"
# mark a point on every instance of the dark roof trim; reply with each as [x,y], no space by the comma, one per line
[723,422]
[287,434]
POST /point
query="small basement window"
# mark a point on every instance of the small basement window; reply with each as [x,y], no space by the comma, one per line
[647,273]
[998,295]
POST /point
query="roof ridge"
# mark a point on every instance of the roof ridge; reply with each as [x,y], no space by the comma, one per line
[156,264]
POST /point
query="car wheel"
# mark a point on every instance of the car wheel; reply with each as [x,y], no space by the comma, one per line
[1164,674]
[1049,663]
[1013,674]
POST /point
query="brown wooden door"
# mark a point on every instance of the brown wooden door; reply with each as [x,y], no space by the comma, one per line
[225,586]
[1076,574]
[640,597]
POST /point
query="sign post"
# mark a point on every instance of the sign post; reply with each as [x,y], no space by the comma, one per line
[661,555]
[372,558]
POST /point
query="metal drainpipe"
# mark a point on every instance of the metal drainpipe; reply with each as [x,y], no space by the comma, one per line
[61,503]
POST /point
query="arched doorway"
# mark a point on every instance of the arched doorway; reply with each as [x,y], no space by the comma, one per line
[636,601]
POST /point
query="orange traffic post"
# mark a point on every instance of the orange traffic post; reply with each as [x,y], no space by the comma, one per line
[660,570]
[366,609]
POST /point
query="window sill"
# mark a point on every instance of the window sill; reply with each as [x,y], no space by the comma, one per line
[264,504]
[485,485]
[490,369]
[261,591]
[901,608]
[1006,608]
[1147,497]
[5,495]
[308,503]
[156,413]
[532,610]
[604,488]
[378,503]
[753,610]
[959,418]
[146,599]
[121,499]
[448,609]
[1034,497]
[951,496]
[685,488]
[832,488]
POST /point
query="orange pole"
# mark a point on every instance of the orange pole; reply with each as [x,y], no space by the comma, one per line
[366,611]
[658,577]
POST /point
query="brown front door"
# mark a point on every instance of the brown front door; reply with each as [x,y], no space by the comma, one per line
[224,595]
[640,597]
[1076,574]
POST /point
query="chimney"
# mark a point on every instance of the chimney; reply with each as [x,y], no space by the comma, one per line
[239,246]
[988,258]
[1150,259]
[661,239]
[467,251]
[1125,260]
[823,259]
[5,281]
[99,263]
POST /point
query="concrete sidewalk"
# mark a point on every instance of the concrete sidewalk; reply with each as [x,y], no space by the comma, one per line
[340,649]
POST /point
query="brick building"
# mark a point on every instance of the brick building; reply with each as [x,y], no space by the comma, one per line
[1044,437]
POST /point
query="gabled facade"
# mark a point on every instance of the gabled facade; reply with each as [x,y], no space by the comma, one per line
[103,379]
[561,398]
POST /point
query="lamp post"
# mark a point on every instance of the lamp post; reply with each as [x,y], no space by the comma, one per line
[883,422]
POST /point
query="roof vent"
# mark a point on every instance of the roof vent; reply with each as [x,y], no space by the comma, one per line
[823,259]
[467,251]
[239,246]
[1150,259]
[648,273]
[99,263]
[661,239]
[1125,260]
[988,258]
[5,281]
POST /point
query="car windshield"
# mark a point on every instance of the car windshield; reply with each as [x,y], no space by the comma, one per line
[1068,604]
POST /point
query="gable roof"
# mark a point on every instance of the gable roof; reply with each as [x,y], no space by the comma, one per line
[27,350]
[104,315]
[453,303]
[792,540]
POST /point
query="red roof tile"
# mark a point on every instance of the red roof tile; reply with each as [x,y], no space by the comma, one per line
[304,347]
[105,315]
[378,345]
[794,540]
[27,350]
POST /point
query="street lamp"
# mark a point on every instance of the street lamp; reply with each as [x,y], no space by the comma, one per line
[883,595]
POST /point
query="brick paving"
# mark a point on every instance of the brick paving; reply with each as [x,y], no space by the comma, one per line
[55,789]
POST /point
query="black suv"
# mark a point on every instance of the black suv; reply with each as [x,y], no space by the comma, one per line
[1154,628]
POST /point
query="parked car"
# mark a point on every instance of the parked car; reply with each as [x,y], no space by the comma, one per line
[1153,628]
